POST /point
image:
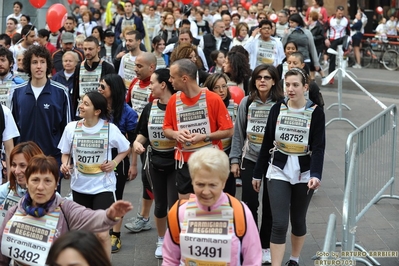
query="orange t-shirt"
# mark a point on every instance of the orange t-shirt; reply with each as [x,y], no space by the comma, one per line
[219,117]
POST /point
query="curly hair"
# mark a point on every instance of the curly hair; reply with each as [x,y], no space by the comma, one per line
[239,65]
[39,51]
[184,50]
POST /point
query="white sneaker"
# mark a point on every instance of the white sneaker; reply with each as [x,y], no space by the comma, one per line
[266,258]
[357,66]
[158,251]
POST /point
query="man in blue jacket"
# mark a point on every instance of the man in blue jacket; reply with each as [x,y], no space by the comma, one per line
[41,106]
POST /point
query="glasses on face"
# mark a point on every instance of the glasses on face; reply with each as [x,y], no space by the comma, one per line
[259,78]
[102,87]
[223,87]
[252,13]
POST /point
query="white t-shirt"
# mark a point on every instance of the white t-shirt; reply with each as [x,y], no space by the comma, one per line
[37,91]
[85,183]
[11,129]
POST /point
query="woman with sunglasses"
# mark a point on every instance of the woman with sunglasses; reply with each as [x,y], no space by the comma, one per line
[89,143]
[125,118]
[265,91]
[292,156]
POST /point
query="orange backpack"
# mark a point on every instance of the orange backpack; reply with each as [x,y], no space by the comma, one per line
[240,223]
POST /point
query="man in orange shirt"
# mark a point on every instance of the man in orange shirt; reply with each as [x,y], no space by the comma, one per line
[195,117]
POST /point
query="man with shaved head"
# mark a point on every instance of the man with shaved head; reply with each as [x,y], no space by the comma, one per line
[137,97]
[195,117]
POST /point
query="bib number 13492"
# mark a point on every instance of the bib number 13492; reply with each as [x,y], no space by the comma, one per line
[28,256]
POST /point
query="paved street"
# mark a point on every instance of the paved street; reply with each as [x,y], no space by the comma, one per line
[377,230]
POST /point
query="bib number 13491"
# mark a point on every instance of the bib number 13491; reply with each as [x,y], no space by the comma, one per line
[209,252]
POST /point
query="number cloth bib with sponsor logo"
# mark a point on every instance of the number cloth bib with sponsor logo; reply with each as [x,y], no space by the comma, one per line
[140,97]
[232,109]
[10,201]
[161,62]
[90,150]
[128,69]
[266,52]
[89,80]
[128,23]
[28,239]
[292,131]
[194,119]
[5,90]
[206,237]
[257,119]
[155,133]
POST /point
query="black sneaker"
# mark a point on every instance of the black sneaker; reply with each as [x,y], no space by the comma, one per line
[292,263]
[116,244]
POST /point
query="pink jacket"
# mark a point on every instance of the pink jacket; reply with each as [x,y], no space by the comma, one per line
[251,248]
[72,217]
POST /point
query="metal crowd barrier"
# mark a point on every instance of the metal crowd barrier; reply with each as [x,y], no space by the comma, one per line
[370,161]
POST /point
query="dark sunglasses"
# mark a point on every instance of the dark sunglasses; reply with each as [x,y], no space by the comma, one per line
[259,78]
[102,86]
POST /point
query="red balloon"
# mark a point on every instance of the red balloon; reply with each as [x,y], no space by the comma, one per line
[151,3]
[248,5]
[236,94]
[56,16]
[196,3]
[70,2]
[186,2]
[254,1]
[77,2]
[144,2]
[379,10]
[207,2]
[243,2]
[37,3]
[223,2]
[273,17]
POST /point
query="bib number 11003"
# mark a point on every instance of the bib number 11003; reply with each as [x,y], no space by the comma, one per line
[209,252]
[28,256]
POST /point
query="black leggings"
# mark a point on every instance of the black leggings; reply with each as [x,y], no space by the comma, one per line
[121,174]
[288,201]
[248,195]
[147,190]
[165,191]
[100,201]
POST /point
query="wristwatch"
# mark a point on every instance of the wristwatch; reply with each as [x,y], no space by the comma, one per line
[207,138]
